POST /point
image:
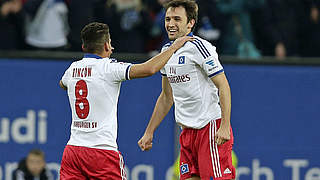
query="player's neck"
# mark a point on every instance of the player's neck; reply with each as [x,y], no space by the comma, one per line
[190,33]
[103,54]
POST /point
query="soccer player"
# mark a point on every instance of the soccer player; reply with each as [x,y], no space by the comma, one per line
[194,80]
[93,85]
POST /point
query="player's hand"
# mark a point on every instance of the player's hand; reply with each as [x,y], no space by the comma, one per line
[178,43]
[145,143]
[222,135]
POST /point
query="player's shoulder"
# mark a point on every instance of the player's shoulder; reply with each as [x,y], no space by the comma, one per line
[166,46]
[90,62]
[75,63]
[112,63]
[200,42]
[201,46]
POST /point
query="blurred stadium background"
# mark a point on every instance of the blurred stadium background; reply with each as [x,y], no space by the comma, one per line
[275,116]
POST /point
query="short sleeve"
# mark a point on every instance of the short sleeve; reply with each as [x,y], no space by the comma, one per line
[163,72]
[206,57]
[119,71]
[66,77]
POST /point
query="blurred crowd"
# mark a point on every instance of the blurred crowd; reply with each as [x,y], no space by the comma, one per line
[243,28]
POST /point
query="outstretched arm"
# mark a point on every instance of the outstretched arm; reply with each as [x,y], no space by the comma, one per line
[161,109]
[221,82]
[153,65]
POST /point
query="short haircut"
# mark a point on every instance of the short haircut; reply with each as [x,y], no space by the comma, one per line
[37,152]
[94,36]
[190,6]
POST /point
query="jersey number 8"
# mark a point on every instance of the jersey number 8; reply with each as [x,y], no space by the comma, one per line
[82,103]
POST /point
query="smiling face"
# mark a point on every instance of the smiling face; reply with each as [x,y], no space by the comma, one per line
[176,22]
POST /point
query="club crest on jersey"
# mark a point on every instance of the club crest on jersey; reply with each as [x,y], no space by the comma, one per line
[184,168]
[210,62]
[182,59]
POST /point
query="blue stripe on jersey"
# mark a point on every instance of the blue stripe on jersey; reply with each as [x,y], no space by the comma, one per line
[167,44]
[113,60]
[170,43]
[200,50]
[88,55]
[202,46]
[127,73]
[216,73]
[163,74]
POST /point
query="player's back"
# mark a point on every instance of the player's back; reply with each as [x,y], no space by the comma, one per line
[93,89]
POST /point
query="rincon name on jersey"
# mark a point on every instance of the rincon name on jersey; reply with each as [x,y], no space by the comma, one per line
[81,72]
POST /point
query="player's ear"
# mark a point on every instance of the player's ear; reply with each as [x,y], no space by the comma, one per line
[106,48]
[191,23]
[82,46]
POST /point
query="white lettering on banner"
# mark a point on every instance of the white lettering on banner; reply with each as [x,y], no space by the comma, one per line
[55,168]
[142,168]
[169,174]
[313,174]
[42,127]
[242,171]
[148,170]
[4,135]
[259,172]
[1,174]
[296,164]
[29,124]
[10,167]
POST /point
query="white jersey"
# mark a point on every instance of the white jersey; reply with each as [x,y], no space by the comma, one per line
[93,88]
[189,71]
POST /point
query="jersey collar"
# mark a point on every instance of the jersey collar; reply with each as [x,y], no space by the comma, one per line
[190,34]
[88,55]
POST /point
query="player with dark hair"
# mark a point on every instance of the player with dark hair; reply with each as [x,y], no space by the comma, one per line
[194,81]
[93,85]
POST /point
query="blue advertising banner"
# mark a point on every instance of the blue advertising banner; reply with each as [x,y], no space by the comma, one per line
[35,113]
[275,118]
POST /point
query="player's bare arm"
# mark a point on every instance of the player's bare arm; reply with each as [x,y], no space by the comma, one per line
[62,85]
[157,62]
[162,107]
[221,82]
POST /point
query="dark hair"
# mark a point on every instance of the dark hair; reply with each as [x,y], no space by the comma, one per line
[190,6]
[93,37]
[37,152]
